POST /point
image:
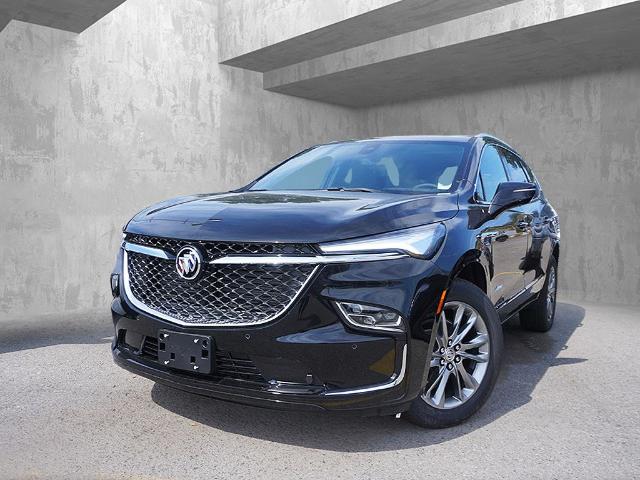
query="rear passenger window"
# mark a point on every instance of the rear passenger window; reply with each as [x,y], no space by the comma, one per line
[514,167]
[491,174]
[528,171]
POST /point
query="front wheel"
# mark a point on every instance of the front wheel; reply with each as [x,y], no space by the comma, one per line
[465,361]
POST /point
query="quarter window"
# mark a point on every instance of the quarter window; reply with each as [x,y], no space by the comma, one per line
[491,174]
[514,167]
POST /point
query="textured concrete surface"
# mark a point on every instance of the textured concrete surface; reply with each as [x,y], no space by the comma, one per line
[581,135]
[564,407]
[250,41]
[523,41]
[93,127]
[248,25]
[71,15]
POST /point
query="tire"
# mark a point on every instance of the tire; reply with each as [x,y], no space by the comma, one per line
[538,316]
[428,409]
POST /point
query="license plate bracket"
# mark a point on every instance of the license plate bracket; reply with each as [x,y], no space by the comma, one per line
[185,351]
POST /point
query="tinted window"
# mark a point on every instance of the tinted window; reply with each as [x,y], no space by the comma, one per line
[528,171]
[388,166]
[514,167]
[491,173]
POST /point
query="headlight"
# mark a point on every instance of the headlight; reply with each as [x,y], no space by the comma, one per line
[420,242]
[370,317]
[115,284]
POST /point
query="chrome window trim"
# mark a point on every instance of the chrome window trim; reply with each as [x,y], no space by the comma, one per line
[146,309]
[394,381]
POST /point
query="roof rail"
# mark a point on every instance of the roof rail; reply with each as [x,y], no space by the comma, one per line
[493,138]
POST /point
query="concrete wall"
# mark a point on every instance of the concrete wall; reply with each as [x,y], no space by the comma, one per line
[581,135]
[95,126]
[135,109]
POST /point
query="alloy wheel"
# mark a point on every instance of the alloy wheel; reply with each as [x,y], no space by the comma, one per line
[551,293]
[460,357]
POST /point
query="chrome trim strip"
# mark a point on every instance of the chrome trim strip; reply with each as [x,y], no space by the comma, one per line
[275,259]
[527,287]
[304,260]
[394,381]
[141,306]
[537,280]
[154,252]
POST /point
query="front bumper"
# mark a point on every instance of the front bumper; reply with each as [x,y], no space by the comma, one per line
[307,359]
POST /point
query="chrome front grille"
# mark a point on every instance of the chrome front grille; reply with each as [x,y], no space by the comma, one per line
[215,250]
[225,294]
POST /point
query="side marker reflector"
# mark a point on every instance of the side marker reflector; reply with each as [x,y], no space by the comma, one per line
[441,302]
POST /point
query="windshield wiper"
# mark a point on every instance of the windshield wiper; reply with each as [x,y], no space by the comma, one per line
[355,189]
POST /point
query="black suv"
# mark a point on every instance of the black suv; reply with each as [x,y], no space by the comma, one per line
[369,276]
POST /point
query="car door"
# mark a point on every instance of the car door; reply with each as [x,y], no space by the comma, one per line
[505,236]
[531,220]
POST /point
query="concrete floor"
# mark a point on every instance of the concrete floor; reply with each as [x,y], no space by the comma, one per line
[565,406]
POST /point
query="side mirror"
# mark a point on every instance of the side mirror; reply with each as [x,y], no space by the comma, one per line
[510,194]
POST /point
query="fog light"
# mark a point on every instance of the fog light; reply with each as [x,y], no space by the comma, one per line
[370,317]
[115,284]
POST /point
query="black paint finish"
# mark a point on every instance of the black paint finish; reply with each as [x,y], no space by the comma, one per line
[310,352]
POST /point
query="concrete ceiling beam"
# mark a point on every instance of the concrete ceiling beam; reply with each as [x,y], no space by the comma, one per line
[71,15]
[529,40]
[257,36]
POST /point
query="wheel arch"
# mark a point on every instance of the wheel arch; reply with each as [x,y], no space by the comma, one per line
[469,267]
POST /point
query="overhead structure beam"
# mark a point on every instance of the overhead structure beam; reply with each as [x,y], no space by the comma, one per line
[262,35]
[71,15]
[524,41]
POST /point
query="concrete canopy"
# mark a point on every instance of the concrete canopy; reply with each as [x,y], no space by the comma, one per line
[528,40]
[70,15]
[303,34]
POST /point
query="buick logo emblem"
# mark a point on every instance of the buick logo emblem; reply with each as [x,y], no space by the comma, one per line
[188,263]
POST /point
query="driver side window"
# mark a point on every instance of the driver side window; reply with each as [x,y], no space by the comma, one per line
[491,174]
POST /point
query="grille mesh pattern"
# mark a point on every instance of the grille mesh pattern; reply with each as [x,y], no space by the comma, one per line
[223,295]
[221,249]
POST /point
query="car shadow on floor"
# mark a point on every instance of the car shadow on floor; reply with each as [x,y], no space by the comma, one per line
[44,331]
[528,356]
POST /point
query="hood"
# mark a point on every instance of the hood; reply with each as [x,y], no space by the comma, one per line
[290,217]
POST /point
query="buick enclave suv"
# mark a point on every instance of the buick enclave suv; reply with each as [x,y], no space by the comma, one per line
[369,276]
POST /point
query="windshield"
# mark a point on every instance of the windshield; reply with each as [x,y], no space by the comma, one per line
[416,167]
